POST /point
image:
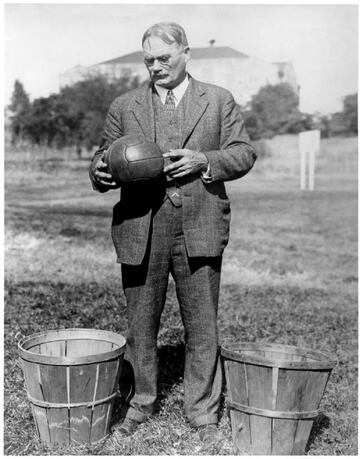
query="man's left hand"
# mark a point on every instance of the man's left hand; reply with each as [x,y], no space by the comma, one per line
[185,162]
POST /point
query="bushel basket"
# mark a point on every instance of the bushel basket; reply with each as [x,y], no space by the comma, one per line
[71,377]
[274,392]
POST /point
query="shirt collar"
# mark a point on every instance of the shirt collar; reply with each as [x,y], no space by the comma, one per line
[178,92]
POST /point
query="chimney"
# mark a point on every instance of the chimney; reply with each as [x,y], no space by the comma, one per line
[211,43]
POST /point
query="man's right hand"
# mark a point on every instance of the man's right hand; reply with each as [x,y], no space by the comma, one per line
[101,176]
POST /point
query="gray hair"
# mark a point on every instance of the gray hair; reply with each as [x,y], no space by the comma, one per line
[169,32]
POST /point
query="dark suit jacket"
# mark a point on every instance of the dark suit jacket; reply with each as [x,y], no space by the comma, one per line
[214,126]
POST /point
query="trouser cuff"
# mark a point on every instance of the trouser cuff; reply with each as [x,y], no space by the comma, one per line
[203,420]
[132,413]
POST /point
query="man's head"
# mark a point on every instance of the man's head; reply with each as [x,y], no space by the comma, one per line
[166,53]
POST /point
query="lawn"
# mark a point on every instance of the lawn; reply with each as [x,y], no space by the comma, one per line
[289,276]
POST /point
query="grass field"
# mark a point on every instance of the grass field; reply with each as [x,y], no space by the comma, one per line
[289,276]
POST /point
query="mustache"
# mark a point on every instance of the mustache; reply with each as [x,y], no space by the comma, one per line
[159,74]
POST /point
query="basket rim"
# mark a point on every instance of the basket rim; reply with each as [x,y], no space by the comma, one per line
[65,334]
[233,351]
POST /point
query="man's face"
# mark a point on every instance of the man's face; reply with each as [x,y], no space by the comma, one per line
[166,63]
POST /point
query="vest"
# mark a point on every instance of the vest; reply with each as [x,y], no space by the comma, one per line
[168,135]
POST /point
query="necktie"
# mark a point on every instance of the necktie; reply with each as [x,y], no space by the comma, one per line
[170,102]
[173,192]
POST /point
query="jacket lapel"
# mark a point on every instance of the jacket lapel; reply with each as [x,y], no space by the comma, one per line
[142,108]
[195,108]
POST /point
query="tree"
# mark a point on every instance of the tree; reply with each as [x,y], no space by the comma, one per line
[350,113]
[88,102]
[19,107]
[76,115]
[345,122]
[273,110]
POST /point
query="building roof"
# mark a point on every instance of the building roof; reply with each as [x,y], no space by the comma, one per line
[210,52]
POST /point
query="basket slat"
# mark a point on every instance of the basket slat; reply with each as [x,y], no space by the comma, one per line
[259,378]
[241,430]
[302,391]
[109,373]
[98,427]
[81,347]
[302,434]
[290,392]
[54,386]
[32,381]
[56,348]
[235,375]
[42,423]
[283,435]
[82,384]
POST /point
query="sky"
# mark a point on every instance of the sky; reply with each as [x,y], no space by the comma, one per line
[44,40]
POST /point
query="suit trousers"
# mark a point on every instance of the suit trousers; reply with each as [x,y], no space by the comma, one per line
[197,284]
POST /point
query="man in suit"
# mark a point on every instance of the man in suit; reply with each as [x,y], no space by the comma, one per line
[178,224]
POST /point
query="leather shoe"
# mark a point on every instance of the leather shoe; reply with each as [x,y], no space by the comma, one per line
[126,428]
[209,434]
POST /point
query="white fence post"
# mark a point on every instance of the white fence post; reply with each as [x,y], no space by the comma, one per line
[311,170]
[302,169]
[309,144]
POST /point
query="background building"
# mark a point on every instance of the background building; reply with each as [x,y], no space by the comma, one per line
[243,75]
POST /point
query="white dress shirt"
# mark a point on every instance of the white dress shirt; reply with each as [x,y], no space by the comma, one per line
[178,92]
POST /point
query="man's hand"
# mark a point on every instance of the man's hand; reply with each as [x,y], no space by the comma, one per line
[101,176]
[185,162]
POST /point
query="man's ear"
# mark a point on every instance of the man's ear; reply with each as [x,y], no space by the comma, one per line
[187,53]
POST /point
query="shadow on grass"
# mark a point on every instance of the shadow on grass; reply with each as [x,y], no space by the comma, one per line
[171,367]
[321,423]
[171,370]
